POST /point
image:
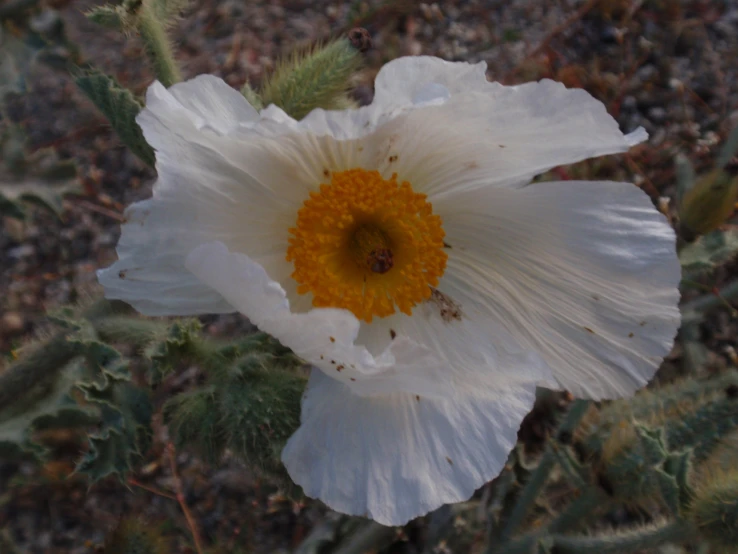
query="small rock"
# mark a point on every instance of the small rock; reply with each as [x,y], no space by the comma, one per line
[657,114]
[11,323]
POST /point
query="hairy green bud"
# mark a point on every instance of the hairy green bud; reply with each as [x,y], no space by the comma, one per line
[313,78]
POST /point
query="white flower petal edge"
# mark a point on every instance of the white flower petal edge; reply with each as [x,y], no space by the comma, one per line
[393,458]
[584,273]
[413,80]
[150,273]
[323,337]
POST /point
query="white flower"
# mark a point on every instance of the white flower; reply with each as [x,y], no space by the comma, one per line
[400,250]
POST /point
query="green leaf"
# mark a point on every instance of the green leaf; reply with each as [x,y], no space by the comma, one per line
[120,107]
[180,343]
[729,149]
[708,252]
[124,432]
[47,404]
[110,17]
[48,195]
[15,60]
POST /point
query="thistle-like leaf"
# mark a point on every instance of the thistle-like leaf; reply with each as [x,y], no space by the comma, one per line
[110,17]
[47,404]
[708,252]
[180,342]
[120,108]
[124,432]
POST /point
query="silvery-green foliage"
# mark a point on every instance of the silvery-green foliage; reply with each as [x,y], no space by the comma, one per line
[120,108]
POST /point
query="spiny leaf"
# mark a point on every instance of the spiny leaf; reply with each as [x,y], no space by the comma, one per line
[168,10]
[110,17]
[42,404]
[15,61]
[120,107]
[44,194]
[179,343]
[124,432]
[708,252]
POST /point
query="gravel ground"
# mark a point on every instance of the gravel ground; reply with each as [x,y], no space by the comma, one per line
[666,65]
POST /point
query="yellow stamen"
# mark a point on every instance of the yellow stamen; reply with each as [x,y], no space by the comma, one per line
[367,244]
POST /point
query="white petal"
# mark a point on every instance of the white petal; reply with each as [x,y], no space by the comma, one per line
[323,337]
[414,79]
[474,347]
[584,273]
[219,106]
[393,458]
[200,196]
[150,273]
[500,138]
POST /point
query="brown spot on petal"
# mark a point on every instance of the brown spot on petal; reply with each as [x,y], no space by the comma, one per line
[449,460]
[332,339]
[392,334]
[590,331]
[447,307]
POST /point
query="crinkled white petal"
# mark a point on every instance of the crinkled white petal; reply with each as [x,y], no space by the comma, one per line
[200,196]
[325,337]
[475,348]
[150,273]
[419,80]
[219,106]
[393,458]
[584,273]
[499,137]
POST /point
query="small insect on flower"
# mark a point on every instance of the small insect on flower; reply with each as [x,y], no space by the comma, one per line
[403,243]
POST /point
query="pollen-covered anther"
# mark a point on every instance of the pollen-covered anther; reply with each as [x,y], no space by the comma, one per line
[367,244]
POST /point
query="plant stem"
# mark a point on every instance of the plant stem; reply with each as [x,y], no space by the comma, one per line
[579,510]
[540,475]
[371,538]
[191,523]
[712,301]
[632,541]
[158,47]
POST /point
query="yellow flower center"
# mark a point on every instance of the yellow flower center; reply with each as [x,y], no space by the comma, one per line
[367,244]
